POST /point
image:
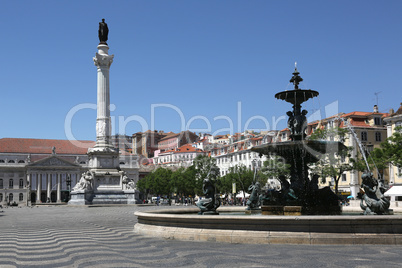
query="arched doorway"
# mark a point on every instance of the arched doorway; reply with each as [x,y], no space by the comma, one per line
[43,197]
[53,197]
[33,197]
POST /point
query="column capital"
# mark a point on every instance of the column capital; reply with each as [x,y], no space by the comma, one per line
[103,60]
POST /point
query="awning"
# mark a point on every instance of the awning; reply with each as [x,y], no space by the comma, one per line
[395,190]
[240,195]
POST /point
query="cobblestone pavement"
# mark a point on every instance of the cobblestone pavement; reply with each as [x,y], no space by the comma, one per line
[62,236]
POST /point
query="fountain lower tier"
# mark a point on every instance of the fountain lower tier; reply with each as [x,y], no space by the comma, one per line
[302,190]
[311,150]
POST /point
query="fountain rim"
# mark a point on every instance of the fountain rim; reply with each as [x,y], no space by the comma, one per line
[264,229]
[185,211]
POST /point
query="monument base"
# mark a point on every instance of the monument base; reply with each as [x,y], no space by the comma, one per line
[79,198]
[114,197]
[122,197]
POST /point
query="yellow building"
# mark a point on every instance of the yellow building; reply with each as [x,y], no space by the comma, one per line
[369,129]
[394,120]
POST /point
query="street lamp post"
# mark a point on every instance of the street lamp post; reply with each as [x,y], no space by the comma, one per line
[68,181]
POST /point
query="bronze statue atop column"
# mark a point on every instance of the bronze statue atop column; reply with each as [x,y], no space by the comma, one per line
[103,32]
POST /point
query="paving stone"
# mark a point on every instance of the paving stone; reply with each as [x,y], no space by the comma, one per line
[66,236]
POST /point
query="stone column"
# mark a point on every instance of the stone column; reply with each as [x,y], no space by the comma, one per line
[49,185]
[29,175]
[58,187]
[38,187]
[103,61]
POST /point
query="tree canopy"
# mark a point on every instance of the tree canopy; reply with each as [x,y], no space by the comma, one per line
[333,165]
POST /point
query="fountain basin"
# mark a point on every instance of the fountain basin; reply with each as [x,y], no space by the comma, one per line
[310,149]
[186,225]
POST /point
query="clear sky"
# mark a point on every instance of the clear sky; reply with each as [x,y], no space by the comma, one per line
[211,65]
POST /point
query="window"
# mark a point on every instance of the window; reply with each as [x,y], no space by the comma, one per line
[21,197]
[1,197]
[343,177]
[2,161]
[21,183]
[377,121]
[21,161]
[1,183]
[11,161]
[11,183]
[364,135]
[378,136]
[10,198]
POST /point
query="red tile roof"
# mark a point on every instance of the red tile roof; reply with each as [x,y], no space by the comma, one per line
[187,148]
[44,146]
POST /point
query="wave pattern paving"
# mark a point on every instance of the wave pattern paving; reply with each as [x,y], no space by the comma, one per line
[62,236]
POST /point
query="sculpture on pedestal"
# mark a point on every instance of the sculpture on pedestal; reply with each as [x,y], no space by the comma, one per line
[129,183]
[209,204]
[254,200]
[85,182]
[372,193]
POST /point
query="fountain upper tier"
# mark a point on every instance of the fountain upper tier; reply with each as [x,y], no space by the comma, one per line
[297,96]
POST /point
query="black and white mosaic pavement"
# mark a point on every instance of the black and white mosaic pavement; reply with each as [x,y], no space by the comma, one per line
[62,236]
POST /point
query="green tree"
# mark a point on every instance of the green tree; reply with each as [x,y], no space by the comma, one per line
[390,151]
[242,176]
[334,165]
[204,167]
[274,167]
[157,182]
[183,181]
[224,184]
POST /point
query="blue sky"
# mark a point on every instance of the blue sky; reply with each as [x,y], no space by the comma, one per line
[209,65]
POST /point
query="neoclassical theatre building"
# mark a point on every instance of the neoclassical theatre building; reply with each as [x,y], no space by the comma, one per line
[38,170]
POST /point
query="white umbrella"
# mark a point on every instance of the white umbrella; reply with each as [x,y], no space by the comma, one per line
[240,195]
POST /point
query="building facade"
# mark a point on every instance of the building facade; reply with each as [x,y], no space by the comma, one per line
[38,170]
[393,121]
[364,128]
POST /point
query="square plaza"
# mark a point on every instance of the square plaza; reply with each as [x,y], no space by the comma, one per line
[66,236]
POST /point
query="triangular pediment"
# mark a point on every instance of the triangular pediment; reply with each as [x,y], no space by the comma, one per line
[52,161]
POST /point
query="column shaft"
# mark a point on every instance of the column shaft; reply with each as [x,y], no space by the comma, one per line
[58,187]
[38,187]
[29,180]
[49,186]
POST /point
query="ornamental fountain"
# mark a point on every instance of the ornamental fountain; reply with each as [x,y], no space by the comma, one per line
[297,214]
[301,195]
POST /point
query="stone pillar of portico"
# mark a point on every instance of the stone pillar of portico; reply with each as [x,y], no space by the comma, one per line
[49,186]
[29,179]
[58,187]
[38,187]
